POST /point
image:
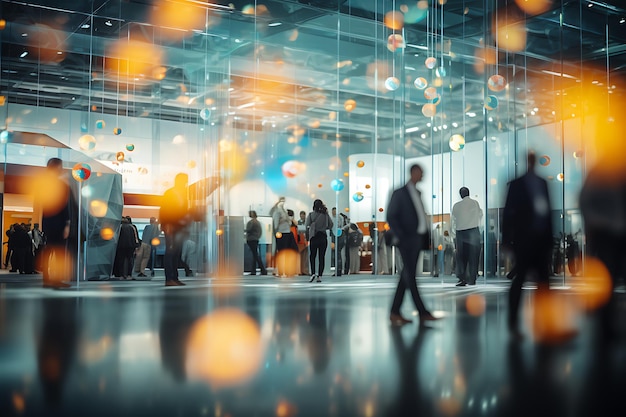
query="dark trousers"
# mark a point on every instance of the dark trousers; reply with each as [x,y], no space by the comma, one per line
[173,248]
[123,263]
[7,258]
[467,254]
[340,244]
[60,269]
[18,260]
[409,250]
[256,259]
[535,260]
[317,246]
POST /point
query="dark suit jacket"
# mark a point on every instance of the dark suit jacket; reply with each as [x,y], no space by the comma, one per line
[522,225]
[402,216]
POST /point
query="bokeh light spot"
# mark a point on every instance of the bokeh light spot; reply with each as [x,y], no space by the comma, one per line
[394,20]
[552,316]
[349,105]
[224,348]
[98,208]
[106,233]
[594,287]
[475,304]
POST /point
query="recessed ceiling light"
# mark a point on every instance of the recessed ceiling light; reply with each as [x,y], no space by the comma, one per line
[108,23]
[23,54]
[622,20]
[273,24]
[85,26]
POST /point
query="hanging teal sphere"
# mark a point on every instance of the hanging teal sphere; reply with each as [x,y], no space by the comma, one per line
[205,114]
[336,185]
[130,147]
[357,197]
[117,131]
[491,102]
[5,136]
[392,83]
[100,124]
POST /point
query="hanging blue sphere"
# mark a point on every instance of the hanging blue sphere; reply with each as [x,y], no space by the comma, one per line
[336,185]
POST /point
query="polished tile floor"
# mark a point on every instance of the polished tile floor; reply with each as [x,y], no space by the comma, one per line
[262,346]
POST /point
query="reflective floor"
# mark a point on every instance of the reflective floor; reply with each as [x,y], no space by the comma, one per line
[262,346]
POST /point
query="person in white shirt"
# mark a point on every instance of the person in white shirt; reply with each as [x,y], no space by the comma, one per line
[466,218]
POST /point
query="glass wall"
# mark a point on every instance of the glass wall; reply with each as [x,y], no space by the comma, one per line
[329,100]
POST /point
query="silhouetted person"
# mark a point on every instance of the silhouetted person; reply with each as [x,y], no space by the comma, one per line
[9,232]
[126,245]
[339,240]
[318,222]
[281,222]
[303,244]
[39,241]
[21,246]
[527,231]
[253,235]
[466,217]
[174,218]
[144,252]
[603,206]
[408,223]
[53,196]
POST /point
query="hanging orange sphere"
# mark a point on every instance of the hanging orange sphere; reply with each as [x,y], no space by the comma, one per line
[394,20]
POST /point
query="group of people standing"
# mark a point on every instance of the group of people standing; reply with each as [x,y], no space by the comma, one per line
[308,237]
[24,246]
[132,254]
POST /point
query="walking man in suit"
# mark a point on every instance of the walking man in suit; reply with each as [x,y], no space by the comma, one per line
[527,231]
[407,221]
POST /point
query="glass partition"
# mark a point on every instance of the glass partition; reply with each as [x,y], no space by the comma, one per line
[95,201]
[329,100]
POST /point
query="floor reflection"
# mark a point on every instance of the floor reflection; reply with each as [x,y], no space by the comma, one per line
[289,349]
[56,347]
